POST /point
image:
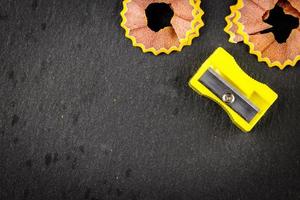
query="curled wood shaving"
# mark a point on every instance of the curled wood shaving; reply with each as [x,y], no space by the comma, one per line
[251,26]
[182,27]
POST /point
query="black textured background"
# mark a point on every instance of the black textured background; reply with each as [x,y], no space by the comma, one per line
[84,115]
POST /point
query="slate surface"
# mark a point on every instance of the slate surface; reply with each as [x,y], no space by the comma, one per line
[84,115]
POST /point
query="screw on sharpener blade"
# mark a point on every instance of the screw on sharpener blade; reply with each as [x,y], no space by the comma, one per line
[228,98]
[229,94]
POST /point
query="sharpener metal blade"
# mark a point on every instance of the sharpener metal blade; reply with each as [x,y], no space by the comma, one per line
[224,90]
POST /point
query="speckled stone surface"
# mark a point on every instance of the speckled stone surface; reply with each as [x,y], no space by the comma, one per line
[84,115]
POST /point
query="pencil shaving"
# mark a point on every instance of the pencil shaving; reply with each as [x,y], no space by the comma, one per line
[250,16]
[184,25]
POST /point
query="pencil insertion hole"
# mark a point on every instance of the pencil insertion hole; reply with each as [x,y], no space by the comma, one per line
[282,23]
[159,16]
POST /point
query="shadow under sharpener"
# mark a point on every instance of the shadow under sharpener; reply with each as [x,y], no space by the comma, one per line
[222,80]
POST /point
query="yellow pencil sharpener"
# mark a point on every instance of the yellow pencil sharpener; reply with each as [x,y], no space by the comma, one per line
[222,80]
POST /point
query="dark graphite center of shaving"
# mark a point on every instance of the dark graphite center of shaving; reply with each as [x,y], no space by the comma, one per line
[282,23]
[159,16]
